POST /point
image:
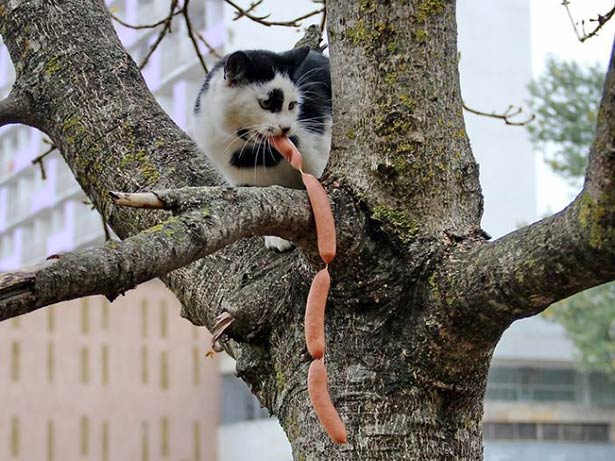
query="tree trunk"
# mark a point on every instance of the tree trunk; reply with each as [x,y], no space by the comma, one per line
[419,299]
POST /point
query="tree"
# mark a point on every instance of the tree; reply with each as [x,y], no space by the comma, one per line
[419,299]
[565,100]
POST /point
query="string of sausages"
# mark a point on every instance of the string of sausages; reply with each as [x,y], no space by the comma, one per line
[317,297]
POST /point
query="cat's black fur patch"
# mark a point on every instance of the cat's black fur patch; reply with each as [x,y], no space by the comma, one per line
[261,155]
[252,156]
[275,101]
[314,82]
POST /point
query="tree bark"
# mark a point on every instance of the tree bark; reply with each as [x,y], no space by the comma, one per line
[419,299]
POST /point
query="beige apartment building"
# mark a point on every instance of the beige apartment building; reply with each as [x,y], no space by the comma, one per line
[90,380]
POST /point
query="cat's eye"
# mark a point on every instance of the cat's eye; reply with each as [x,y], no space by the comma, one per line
[264,103]
[292,105]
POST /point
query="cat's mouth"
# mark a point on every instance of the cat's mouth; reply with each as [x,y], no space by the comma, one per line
[249,136]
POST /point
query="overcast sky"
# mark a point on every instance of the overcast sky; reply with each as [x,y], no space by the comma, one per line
[552,33]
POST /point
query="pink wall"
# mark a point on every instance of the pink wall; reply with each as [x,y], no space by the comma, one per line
[64,386]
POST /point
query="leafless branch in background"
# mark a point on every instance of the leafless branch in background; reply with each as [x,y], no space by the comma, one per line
[600,19]
[168,22]
[507,115]
[192,36]
[142,26]
[247,12]
[39,159]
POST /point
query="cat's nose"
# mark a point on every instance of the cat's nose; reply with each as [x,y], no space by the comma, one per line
[285,129]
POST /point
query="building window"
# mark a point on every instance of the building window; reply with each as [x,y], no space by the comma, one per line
[50,441]
[550,385]
[144,367]
[196,436]
[144,318]
[601,390]
[164,437]
[164,319]
[85,365]
[50,362]
[547,432]
[85,436]
[14,442]
[196,365]
[105,365]
[15,359]
[144,441]
[533,384]
[105,441]
[238,403]
[164,370]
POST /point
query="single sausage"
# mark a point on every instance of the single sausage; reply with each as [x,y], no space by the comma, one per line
[315,314]
[319,395]
[286,147]
[325,226]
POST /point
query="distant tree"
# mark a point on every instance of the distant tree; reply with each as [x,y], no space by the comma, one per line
[565,100]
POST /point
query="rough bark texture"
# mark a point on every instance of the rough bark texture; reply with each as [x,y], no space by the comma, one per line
[419,299]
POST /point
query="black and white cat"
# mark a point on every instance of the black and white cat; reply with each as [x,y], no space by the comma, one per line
[250,95]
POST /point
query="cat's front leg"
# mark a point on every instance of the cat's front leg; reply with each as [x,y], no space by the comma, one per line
[278,244]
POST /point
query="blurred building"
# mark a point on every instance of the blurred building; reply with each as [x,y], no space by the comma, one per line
[93,380]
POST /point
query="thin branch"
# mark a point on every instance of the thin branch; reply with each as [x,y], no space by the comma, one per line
[39,160]
[210,48]
[168,22]
[222,216]
[143,26]
[507,115]
[241,12]
[192,37]
[582,35]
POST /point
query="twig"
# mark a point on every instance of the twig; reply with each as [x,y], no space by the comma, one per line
[39,160]
[211,49]
[168,21]
[241,12]
[191,35]
[137,200]
[507,115]
[142,26]
[582,35]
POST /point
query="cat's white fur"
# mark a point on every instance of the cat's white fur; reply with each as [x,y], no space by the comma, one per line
[226,109]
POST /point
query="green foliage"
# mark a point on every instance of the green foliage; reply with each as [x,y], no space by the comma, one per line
[589,319]
[565,100]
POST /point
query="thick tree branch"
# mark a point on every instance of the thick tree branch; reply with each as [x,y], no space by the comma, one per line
[212,218]
[15,108]
[524,272]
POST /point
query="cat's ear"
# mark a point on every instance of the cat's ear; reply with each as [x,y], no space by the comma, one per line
[236,67]
[296,56]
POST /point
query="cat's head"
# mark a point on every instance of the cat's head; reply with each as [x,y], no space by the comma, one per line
[265,101]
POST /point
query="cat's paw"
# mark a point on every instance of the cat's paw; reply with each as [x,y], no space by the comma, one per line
[278,244]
